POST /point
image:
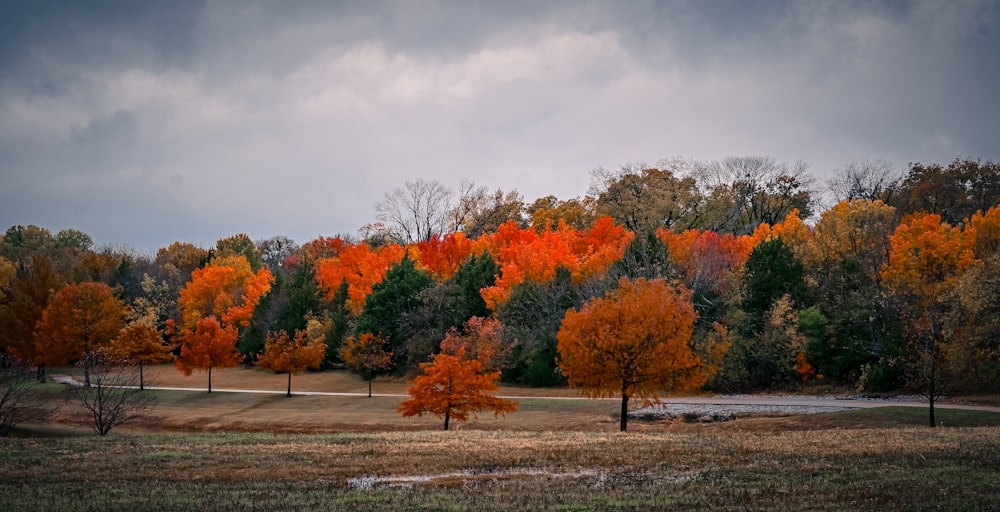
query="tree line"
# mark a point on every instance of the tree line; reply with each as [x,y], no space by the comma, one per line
[893,286]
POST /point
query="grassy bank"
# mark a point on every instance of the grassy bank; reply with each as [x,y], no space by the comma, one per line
[899,468]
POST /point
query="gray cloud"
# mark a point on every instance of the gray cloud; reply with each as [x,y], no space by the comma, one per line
[148,122]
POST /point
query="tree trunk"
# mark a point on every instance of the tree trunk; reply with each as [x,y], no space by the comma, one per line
[447,416]
[41,374]
[289,394]
[209,379]
[86,376]
[624,420]
[931,392]
[369,387]
[142,384]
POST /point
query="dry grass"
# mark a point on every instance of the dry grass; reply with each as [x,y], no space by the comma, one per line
[885,469]
[268,452]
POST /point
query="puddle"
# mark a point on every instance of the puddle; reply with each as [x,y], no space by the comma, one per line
[601,478]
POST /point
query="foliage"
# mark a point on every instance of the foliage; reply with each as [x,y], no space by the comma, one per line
[292,355]
[481,339]
[453,387]
[927,258]
[771,272]
[360,265]
[113,397]
[209,345]
[226,288]
[634,342]
[531,318]
[141,343]
[390,301]
[25,298]
[367,355]
[80,318]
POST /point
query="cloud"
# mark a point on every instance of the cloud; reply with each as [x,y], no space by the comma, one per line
[143,126]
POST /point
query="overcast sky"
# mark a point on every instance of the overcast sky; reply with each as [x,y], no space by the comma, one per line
[146,122]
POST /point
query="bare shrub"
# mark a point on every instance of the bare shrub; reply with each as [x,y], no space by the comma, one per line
[113,397]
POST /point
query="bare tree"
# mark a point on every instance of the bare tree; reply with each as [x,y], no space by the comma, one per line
[746,191]
[113,397]
[17,382]
[479,211]
[417,211]
[865,179]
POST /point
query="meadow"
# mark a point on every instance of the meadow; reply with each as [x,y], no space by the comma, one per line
[267,452]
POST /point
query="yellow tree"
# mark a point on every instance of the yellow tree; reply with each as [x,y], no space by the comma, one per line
[80,318]
[366,355]
[283,354]
[926,259]
[452,387]
[140,342]
[634,342]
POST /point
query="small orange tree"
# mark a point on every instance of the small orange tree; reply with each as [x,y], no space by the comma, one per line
[140,342]
[634,341]
[283,354]
[482,340]
[453,386]
[366,355]
[209,345]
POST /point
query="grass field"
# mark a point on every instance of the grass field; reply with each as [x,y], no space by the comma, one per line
[238,452]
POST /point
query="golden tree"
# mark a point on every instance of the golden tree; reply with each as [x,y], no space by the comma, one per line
[633,342]
[283,354]
[366,355]
[140,342]
[926,259]
[453,387]
[80,318]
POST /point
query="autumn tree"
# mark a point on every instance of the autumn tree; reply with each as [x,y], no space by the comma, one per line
[216,303]
[549,211]
[209,345]
[479,211]
[453,387]
[643,198]
[634,342]
[955,192]
[140,343]
[926,260]
[366,355]
[114,398]
[80,318]
[481,339]
[292,355]
[26,296]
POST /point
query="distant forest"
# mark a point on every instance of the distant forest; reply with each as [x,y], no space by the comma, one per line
[895,286]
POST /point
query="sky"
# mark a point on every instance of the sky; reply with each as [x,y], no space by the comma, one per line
[144,123]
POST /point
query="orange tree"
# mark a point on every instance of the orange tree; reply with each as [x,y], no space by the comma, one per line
[283,354]
[219,299]
[140,342]
[80,318]
[366,355]
[926,259]
[452,387]
[209,345]
[633,342]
